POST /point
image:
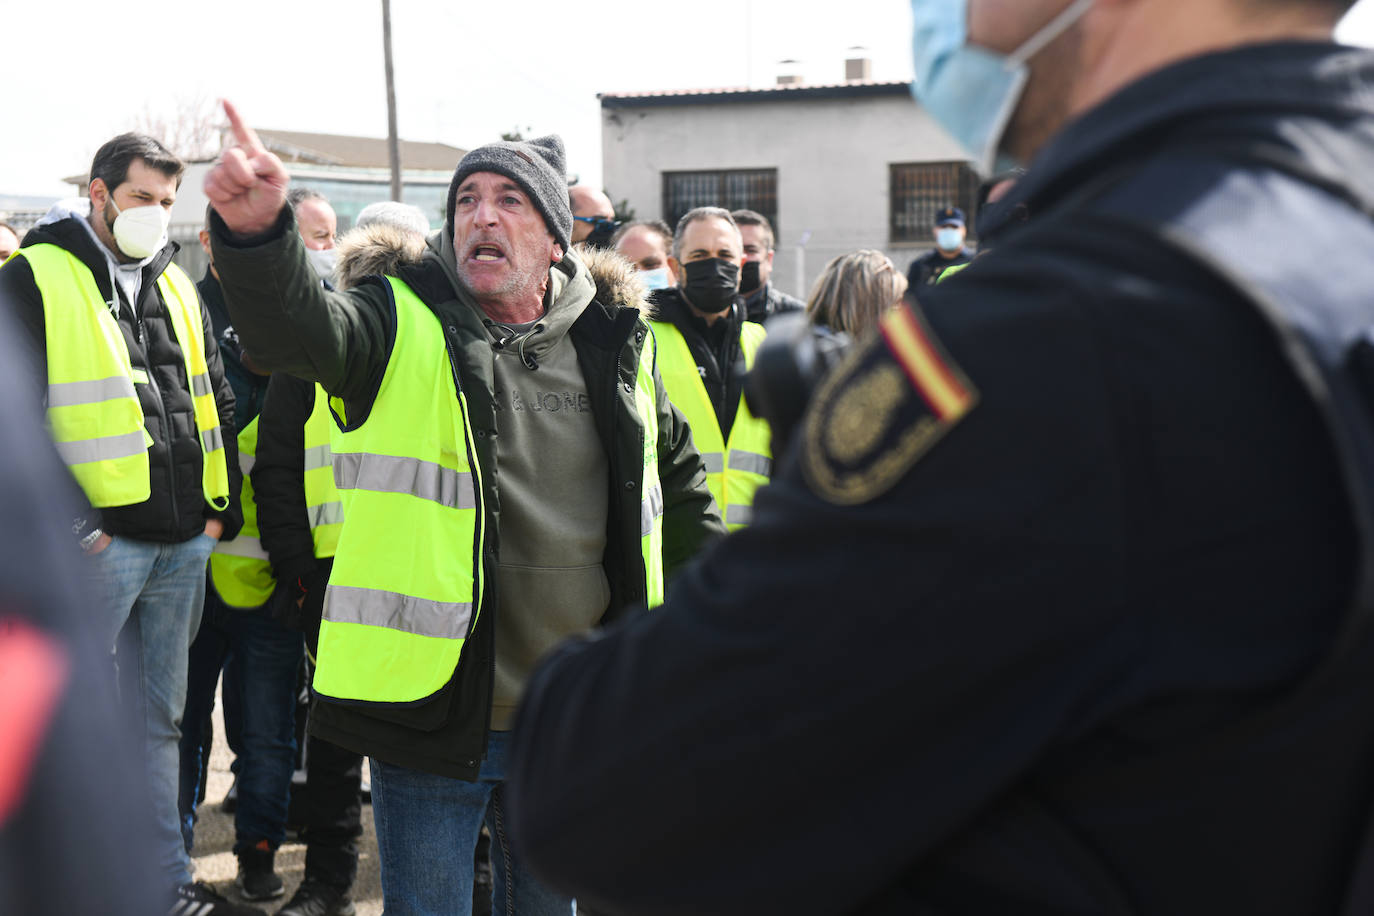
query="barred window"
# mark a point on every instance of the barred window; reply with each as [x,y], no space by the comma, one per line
[736,189]
[918,191]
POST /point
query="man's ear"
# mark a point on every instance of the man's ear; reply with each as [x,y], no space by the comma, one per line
[676,267]
[97,184]
[557,252]
[769,259]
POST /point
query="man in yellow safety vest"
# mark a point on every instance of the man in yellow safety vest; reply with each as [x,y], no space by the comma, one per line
[142,415]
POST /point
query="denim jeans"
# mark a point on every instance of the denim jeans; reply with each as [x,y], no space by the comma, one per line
[427,829]
[152,604]
[268,656]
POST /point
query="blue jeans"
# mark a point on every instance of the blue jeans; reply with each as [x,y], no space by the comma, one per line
[152,605]
[427,829]
[268,656]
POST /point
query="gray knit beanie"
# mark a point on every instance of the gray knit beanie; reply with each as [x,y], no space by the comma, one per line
[537,166]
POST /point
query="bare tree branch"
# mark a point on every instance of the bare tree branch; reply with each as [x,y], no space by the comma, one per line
[189,126]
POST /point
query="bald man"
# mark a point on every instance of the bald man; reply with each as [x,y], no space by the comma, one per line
[593,216]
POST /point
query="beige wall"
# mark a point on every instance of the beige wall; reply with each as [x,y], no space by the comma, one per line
[832,157]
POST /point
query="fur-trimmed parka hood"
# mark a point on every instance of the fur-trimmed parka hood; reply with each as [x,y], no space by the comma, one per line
[376,250]
[617,280]
[382,250]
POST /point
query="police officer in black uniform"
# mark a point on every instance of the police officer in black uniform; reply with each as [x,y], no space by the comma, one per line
[1062,602]
[949,229]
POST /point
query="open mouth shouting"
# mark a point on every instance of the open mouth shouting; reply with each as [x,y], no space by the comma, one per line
[487,252]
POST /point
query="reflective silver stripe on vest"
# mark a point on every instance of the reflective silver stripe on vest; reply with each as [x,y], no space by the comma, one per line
[200,385]
[70,394]
[408,614]
[650,509]
[714,461]
[212,439]
[389,474]
[738,515]
[317,457]
[751,462]
[326,514]
[242,546]
[246,462]
[108,448]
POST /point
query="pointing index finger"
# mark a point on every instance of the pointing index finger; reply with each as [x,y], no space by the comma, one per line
[245,135]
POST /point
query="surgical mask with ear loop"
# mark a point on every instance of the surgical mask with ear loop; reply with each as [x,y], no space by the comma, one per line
[140,231]
[971,91]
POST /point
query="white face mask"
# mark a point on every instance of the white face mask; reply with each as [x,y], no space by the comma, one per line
[658,278]
[949,240]
[323,261]
[140,231]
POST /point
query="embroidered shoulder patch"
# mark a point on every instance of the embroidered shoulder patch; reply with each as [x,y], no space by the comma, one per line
[883,408]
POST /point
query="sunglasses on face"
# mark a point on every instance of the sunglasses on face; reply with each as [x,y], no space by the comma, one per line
[600,223]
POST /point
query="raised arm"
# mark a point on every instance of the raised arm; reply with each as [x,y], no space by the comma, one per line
[285,319]
[247,186]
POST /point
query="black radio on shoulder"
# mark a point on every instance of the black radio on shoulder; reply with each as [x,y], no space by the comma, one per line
[790,364]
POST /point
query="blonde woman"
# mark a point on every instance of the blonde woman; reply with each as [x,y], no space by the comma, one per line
[854,290]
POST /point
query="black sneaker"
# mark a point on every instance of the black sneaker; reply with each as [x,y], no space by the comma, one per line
[199,900]
[257,879]
[316,899]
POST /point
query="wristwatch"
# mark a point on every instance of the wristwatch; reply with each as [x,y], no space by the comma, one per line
[89,540]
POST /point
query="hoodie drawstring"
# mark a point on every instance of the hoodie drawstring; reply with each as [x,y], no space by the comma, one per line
[508,335]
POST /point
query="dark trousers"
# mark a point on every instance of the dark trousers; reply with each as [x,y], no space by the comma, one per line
[332,813]
[210,652]
[333,802]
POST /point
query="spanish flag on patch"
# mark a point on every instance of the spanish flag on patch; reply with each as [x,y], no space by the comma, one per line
[932,373]
[885,406]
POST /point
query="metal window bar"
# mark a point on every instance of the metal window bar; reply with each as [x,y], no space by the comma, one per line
[918,191]
[736,189]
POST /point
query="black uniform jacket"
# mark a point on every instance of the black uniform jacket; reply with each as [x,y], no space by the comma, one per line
[177,509]
[1013,640]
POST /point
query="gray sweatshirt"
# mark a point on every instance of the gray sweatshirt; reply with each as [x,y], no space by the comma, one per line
[554,480]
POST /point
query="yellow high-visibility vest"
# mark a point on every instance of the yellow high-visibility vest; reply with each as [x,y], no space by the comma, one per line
[735,469]
[93,408]
[321,497]
[407,583]
[240,570]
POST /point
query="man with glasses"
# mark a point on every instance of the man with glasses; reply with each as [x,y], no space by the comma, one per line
[594,219]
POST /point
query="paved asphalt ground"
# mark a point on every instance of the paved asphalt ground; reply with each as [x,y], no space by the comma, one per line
[213,855]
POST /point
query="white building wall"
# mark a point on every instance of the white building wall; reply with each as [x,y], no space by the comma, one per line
[832,157]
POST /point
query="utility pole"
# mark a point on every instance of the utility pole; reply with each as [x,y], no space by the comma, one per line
[393,143]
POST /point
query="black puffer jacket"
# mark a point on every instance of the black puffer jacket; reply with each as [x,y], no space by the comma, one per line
[177,510]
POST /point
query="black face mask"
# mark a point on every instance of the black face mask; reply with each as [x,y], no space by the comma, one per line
[749,277]
[601,236]
[711,284]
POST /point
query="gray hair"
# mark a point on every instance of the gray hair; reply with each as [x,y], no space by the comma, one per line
[299,195]
[692,216]
[407,217]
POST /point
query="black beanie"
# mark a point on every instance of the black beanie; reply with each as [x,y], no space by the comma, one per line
[537,166]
